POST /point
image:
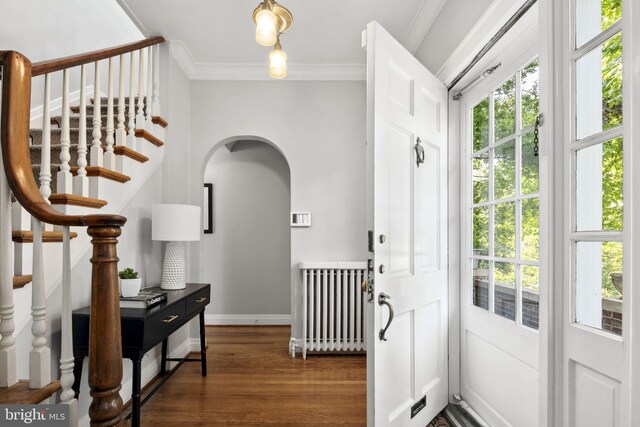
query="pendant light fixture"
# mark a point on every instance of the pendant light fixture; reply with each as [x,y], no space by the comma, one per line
[271,20]
[278,62]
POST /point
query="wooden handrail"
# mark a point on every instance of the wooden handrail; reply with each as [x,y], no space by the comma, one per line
[16,156]
[52,65]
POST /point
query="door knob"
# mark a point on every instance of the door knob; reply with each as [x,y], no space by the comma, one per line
[382,300]
[381,269]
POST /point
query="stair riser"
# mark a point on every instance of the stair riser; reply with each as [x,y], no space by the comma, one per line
[104,100]
[104,110]
[36,155]
[74,136]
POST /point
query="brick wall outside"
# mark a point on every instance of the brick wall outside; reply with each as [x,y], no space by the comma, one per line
[505,306]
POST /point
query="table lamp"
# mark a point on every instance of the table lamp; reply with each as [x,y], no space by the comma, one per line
[175,224]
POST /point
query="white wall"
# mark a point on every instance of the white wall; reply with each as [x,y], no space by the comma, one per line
[249,254]
[320,129]
[43,30]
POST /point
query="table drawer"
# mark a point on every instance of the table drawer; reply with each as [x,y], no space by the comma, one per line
[161,324]
[198,300]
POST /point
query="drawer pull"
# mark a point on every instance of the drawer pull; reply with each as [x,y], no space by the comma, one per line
[201,299]
[170,319]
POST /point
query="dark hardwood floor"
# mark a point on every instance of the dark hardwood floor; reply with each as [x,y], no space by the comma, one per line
[252,381]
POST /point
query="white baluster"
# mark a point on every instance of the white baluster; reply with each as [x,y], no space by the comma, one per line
[149,105]
[40,355]
[140,113]
[109,155]
[121,133]
[65,179]
[67,396]
[8,361]
[45,152]
[156,82]
[96,145]
[80,181]
[131,136]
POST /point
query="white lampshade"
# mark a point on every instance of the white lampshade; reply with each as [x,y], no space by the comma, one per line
[266,32]
[175,223]
[278,63]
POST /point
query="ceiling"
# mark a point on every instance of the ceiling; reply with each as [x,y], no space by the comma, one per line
[324,32]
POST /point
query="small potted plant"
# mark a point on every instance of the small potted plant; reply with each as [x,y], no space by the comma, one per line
[130,283]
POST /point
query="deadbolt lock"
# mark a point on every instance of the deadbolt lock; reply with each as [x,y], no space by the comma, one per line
[381,269]
[382,238]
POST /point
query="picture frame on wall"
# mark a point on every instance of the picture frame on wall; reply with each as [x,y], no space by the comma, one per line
[207,209]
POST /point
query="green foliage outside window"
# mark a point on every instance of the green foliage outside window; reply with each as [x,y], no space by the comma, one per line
[612,203]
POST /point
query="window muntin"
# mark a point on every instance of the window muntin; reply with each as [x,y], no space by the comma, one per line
[504,201]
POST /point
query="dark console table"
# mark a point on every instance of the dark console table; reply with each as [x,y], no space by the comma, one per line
[143,329]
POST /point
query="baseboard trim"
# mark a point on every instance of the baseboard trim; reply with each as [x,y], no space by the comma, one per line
[247,319]
[194,345]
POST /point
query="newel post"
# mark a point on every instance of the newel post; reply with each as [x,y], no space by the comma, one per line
[105,347]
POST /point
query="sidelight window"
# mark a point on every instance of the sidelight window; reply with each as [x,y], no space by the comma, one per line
[596,150]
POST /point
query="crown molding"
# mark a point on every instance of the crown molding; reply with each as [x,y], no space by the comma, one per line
[318,72]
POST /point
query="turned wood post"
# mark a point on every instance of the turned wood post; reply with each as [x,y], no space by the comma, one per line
[105,346]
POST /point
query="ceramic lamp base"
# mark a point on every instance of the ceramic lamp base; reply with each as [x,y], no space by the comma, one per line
[174,269]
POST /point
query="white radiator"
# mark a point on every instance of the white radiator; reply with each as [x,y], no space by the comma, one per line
[333,307]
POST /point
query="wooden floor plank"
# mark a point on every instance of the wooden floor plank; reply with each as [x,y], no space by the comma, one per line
[252,381]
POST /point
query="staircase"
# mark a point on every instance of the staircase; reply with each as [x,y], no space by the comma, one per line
[79,169]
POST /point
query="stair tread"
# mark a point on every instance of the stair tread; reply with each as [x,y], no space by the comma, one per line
[142,133]
[157,120]
[75,200]
[26,236]
[21,281]
[100,171]
[121,150]
[20,393]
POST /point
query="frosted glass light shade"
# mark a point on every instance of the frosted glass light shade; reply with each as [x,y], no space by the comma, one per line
[278,64]
[266,22]
[175,223]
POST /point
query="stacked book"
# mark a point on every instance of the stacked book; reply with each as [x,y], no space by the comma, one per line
[146,298]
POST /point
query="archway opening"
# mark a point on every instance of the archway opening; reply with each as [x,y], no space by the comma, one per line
[247,255]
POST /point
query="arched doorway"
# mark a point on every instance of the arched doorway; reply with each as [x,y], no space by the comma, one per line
[247,257]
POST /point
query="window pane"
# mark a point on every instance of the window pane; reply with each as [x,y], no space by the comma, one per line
[599,88]
[599,203]
[481,231]
[530,162]
[481,125]
[599,285]
[504,277]
[530,296]
[593,17]
[505,230]
[504,101]
[530,96]
[504,170]
[530,229]
[481,178]
[480,283]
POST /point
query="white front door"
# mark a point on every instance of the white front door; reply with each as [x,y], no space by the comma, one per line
[407,370]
